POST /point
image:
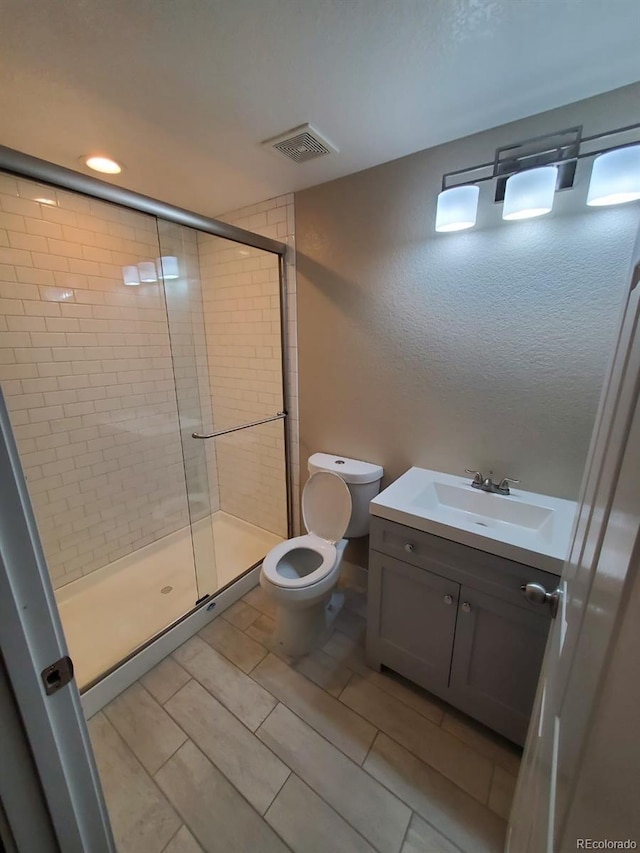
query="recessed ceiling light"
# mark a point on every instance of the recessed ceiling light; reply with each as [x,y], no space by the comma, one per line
[102,164]
[48,201]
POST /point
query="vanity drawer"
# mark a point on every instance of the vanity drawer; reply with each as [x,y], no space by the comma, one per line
[461,563]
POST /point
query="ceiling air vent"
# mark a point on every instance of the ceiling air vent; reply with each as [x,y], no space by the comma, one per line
[301,144]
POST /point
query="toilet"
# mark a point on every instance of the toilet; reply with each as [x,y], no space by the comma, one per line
[301,574]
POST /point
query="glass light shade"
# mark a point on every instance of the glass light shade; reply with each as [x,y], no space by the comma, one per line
[528,194]
[147,271]
[615,177]
[167,267]
[130,275]
[457,208]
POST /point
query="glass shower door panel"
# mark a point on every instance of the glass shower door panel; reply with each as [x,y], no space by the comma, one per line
[179,266]
[223,301]
[86,370]
[253,497]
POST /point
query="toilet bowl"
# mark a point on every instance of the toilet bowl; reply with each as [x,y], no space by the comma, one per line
[300,575]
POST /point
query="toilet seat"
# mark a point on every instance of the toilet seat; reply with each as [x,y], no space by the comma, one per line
[325,551]
[303,561]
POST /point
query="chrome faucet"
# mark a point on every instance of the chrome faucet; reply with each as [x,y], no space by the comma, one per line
[486,484]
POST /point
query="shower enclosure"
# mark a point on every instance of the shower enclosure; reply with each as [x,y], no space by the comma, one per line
[141,359]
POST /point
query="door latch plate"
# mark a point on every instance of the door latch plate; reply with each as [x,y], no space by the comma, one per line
[57,675]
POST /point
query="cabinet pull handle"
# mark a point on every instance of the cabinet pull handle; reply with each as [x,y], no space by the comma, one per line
[466,607]
[448,599]
[408,548]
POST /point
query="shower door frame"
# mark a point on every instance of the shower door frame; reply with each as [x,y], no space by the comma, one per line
[13,162]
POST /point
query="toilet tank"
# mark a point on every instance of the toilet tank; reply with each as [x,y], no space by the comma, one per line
[363,482]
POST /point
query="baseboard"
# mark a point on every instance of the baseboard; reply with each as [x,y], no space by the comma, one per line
[131,670]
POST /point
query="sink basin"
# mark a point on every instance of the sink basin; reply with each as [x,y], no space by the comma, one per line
[523,526]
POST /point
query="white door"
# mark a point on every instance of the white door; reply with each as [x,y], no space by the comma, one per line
[592,598]
[50,795]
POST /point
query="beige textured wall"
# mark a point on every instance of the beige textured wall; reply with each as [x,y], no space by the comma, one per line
[85,365]
[481,349]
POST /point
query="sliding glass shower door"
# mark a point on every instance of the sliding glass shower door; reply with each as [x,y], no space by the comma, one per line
[123,335]
[223,306]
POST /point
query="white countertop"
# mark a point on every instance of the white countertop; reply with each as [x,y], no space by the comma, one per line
[523,526]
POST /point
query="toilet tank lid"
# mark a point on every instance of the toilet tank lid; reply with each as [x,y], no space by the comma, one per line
[351,470]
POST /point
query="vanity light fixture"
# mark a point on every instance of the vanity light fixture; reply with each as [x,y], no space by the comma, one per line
[615,177]
[130,275]
[457,208]
[526,175]
[99,163]
[167,267]
[530,193]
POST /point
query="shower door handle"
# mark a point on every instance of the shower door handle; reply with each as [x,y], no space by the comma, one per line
[276,417]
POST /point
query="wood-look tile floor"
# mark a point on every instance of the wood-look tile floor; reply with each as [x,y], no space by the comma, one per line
[227,747]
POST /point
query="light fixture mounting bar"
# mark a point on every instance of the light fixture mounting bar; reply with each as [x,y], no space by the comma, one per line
[559,149]
[562,148]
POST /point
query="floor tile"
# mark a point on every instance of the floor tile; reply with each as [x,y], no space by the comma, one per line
[262,631]
[503,786]
[349,623]
[377,814]
[239,693]
[309,825]
[347,651]
[450,756]
[423,838]
[458,816]
[496,748]
[258,598]
[410,694]
[254,770]
[240,614]
[219,818]
[164,679]
[146,727]
[324,671]
[355,598]
[233,644]
[141,818]
[183,842]
[318,666]
[322,712]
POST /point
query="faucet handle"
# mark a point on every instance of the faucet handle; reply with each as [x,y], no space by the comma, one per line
[504,483]
[477,476]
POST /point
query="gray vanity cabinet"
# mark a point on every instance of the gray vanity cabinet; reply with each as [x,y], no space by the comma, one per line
[496,661]
[416,619]
[453,620]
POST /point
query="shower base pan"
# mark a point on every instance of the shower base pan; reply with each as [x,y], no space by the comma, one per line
[108,614]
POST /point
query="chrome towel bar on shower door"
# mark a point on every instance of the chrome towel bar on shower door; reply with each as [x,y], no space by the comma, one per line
[276,417]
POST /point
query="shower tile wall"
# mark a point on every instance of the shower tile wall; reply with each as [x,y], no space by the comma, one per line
[85,366]
[242,321]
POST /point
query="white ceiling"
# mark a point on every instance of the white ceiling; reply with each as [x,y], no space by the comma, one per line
[183,91]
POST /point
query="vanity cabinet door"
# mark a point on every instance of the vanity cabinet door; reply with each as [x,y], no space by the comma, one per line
[497,657]
[411,621]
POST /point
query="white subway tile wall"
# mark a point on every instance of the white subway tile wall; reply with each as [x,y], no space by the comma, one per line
[85,366]
[243,328]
